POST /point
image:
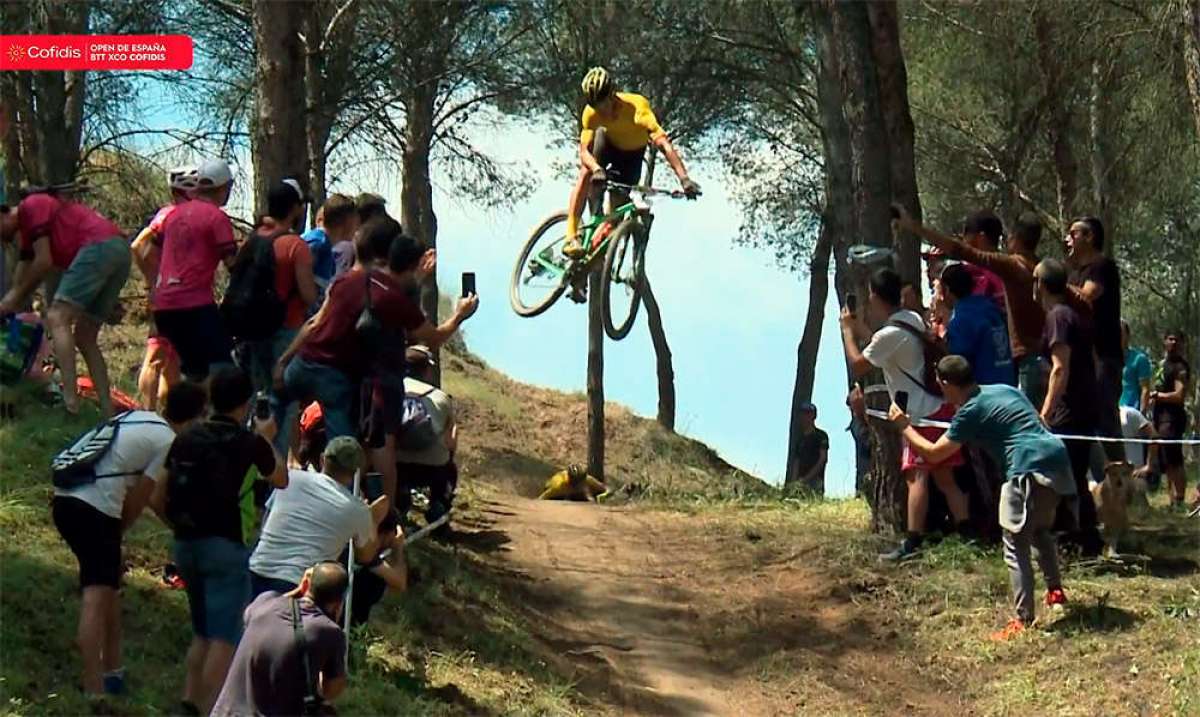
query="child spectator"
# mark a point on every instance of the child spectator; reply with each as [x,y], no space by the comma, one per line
[1170,416]
[337,221]
[58,234]
[976,329]
[92,516]
[201,493]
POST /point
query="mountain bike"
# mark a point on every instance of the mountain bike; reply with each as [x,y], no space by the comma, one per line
[543,273]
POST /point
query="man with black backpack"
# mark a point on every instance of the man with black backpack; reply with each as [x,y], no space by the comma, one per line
[271,286]
[203,494]
[101,484]
[904,351]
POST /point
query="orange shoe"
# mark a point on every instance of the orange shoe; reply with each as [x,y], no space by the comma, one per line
[1056,599]
[1014,628]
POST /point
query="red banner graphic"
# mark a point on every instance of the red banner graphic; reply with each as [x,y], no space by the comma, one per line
[95,52]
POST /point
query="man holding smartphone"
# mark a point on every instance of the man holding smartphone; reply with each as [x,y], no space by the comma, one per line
[315,518]
[898,350]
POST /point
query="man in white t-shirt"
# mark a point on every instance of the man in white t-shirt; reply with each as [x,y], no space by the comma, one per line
[897,349]
[1136,425]
[314,519]
[91,518]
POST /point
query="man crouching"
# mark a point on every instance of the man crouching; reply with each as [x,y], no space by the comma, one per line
[1001,420]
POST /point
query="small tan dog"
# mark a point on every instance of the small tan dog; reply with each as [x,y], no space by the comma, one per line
[1113,497]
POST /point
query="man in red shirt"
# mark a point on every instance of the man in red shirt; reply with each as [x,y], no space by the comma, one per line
[296,287]
[196,237]
[333,354]
[58,234]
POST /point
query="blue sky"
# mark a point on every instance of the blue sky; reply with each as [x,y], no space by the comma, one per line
[732,317]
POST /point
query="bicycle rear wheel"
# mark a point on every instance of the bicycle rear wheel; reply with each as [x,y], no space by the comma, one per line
[624,269]
[540,275]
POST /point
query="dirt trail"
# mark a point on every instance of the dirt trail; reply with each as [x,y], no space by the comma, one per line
[657,615]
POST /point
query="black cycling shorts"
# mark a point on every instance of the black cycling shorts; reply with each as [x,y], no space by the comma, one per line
[624,166]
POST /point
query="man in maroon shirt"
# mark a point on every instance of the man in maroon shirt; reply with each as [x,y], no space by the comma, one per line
[330,357]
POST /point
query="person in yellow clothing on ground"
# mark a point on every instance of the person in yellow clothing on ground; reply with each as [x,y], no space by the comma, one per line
[629,125]
[574,484]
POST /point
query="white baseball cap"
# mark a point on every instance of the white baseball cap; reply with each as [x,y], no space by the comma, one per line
[213,173]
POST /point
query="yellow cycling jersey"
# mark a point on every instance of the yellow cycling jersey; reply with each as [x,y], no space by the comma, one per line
[559,487]
[631,130]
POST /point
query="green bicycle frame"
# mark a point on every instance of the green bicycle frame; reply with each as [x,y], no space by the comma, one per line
[556,269]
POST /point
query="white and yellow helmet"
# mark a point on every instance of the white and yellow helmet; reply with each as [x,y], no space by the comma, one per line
[597,84]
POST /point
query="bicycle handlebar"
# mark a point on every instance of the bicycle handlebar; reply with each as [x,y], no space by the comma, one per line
[650,191]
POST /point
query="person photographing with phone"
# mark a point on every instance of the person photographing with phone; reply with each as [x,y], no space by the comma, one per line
[902,349]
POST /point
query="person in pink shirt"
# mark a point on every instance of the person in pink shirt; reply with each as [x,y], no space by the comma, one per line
[982,230]
[160,366]
[196,237]
[85,259]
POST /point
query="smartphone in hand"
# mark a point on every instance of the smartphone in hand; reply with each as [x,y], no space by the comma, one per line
[852,302]
[902,400]
[372,486]
[262,407]
[468,284]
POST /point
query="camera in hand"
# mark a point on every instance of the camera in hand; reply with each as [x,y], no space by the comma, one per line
[262,407]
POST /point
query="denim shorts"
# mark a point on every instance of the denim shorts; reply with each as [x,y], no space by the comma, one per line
[308,381]
[95,278]
[217,575]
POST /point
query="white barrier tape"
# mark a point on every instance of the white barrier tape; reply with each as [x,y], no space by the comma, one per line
[410,539]
[926,423]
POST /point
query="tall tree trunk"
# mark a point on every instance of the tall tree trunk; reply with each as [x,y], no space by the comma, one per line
[14,158]
[839,218]
[327,70]
[27,127]
[59,98]
[664,370]
[663,367]
[595,378]
[278,140]
[1190,16]
[1100,127]
[897,118]
[1055,86]
[807,349]
[871,178]
[416,191]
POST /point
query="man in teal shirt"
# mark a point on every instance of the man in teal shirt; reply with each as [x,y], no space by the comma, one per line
[1001,420]
[1135,380]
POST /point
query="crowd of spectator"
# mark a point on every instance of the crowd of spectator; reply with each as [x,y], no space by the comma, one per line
[1023,362]
[265,536]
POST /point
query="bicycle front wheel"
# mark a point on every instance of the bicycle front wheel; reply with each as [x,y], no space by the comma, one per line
[624,269]
[540,276]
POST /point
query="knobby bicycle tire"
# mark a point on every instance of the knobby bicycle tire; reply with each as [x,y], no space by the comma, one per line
[626,233]
[522,260]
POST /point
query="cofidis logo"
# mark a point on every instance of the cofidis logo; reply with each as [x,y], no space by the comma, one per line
[95,52]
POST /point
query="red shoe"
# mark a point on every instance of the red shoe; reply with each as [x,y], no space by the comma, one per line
[1014,628]
[1056,599]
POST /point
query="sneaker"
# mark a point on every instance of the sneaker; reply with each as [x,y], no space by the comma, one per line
[114,682]
[1014,628]
[1056,599]
[579,293]
[907,549]
[572,248]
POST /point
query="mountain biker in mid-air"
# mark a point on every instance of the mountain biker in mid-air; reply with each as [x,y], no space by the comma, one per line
[629,126]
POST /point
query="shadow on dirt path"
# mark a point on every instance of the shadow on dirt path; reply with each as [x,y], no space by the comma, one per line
[654,616]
